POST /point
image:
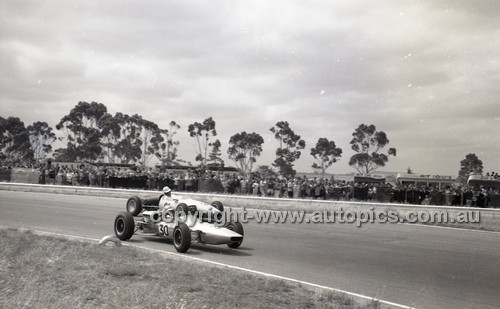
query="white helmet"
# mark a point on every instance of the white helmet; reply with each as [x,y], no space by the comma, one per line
[166,191]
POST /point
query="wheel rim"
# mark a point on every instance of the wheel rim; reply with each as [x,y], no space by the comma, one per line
[178,237]
[120,225]
[131,205]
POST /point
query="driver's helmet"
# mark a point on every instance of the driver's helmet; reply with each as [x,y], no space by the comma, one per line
[167,191]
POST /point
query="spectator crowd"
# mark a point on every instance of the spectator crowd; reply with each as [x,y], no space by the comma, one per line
[192,180]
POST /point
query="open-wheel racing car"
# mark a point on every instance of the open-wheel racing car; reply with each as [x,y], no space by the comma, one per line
[182,220]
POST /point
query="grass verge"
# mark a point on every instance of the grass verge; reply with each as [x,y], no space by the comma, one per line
[40,271]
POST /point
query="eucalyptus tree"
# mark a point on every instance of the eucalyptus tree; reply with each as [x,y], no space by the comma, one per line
[15,144]
[290,145]
[149,135]
[325,153]
[244,150]
[41,138]
[471,164]
[167,153]
[81,132]
[204,134]
[367,142]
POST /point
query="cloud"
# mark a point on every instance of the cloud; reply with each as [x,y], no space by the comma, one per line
[426,73]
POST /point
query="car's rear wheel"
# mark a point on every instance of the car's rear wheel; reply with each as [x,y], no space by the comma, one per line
[218,205]
[134,205]
[237,227]
[182,208]
[182,238]
[124,225]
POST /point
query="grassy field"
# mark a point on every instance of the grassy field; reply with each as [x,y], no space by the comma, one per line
[39,271]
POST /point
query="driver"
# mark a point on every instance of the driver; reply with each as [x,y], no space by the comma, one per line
[166,200]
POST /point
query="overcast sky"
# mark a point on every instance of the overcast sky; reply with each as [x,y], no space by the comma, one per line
[425,72]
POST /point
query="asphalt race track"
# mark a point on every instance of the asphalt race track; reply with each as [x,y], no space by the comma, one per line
[416,266]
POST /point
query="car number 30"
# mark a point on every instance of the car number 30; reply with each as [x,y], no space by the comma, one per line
[163,229]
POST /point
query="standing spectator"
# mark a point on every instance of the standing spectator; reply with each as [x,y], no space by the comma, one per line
[315,189]
[106,175]
[41,179]
[296,188]
[243,186]
[303,188]
[84,176]
[448,196]
[468,196]
[189,182]
[263,187]
[63,172]
[51,177]
[237,184]
[271,185]
[289,189]
[322,191]
[69,176]
[255,187]
[74,178]
[457,197]
[231,185]
[99,177]
[177,180]
[481,197]
[225,181]
[58,180]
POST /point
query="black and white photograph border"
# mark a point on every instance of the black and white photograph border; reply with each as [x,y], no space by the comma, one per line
[357,105]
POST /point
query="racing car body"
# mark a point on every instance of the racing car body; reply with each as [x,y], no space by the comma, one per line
[184,221]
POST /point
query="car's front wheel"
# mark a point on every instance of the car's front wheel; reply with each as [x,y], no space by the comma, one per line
[182,237]
[237,227]
[124,225]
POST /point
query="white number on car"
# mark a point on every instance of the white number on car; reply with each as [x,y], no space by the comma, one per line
[163,229]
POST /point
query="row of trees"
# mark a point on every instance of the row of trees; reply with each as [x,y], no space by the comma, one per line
[90,133]
[19,144]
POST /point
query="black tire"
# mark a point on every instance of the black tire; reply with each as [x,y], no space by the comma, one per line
[182,237]
[124,225]
[238,228]
[182,208]
[134,205]
[218,205]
